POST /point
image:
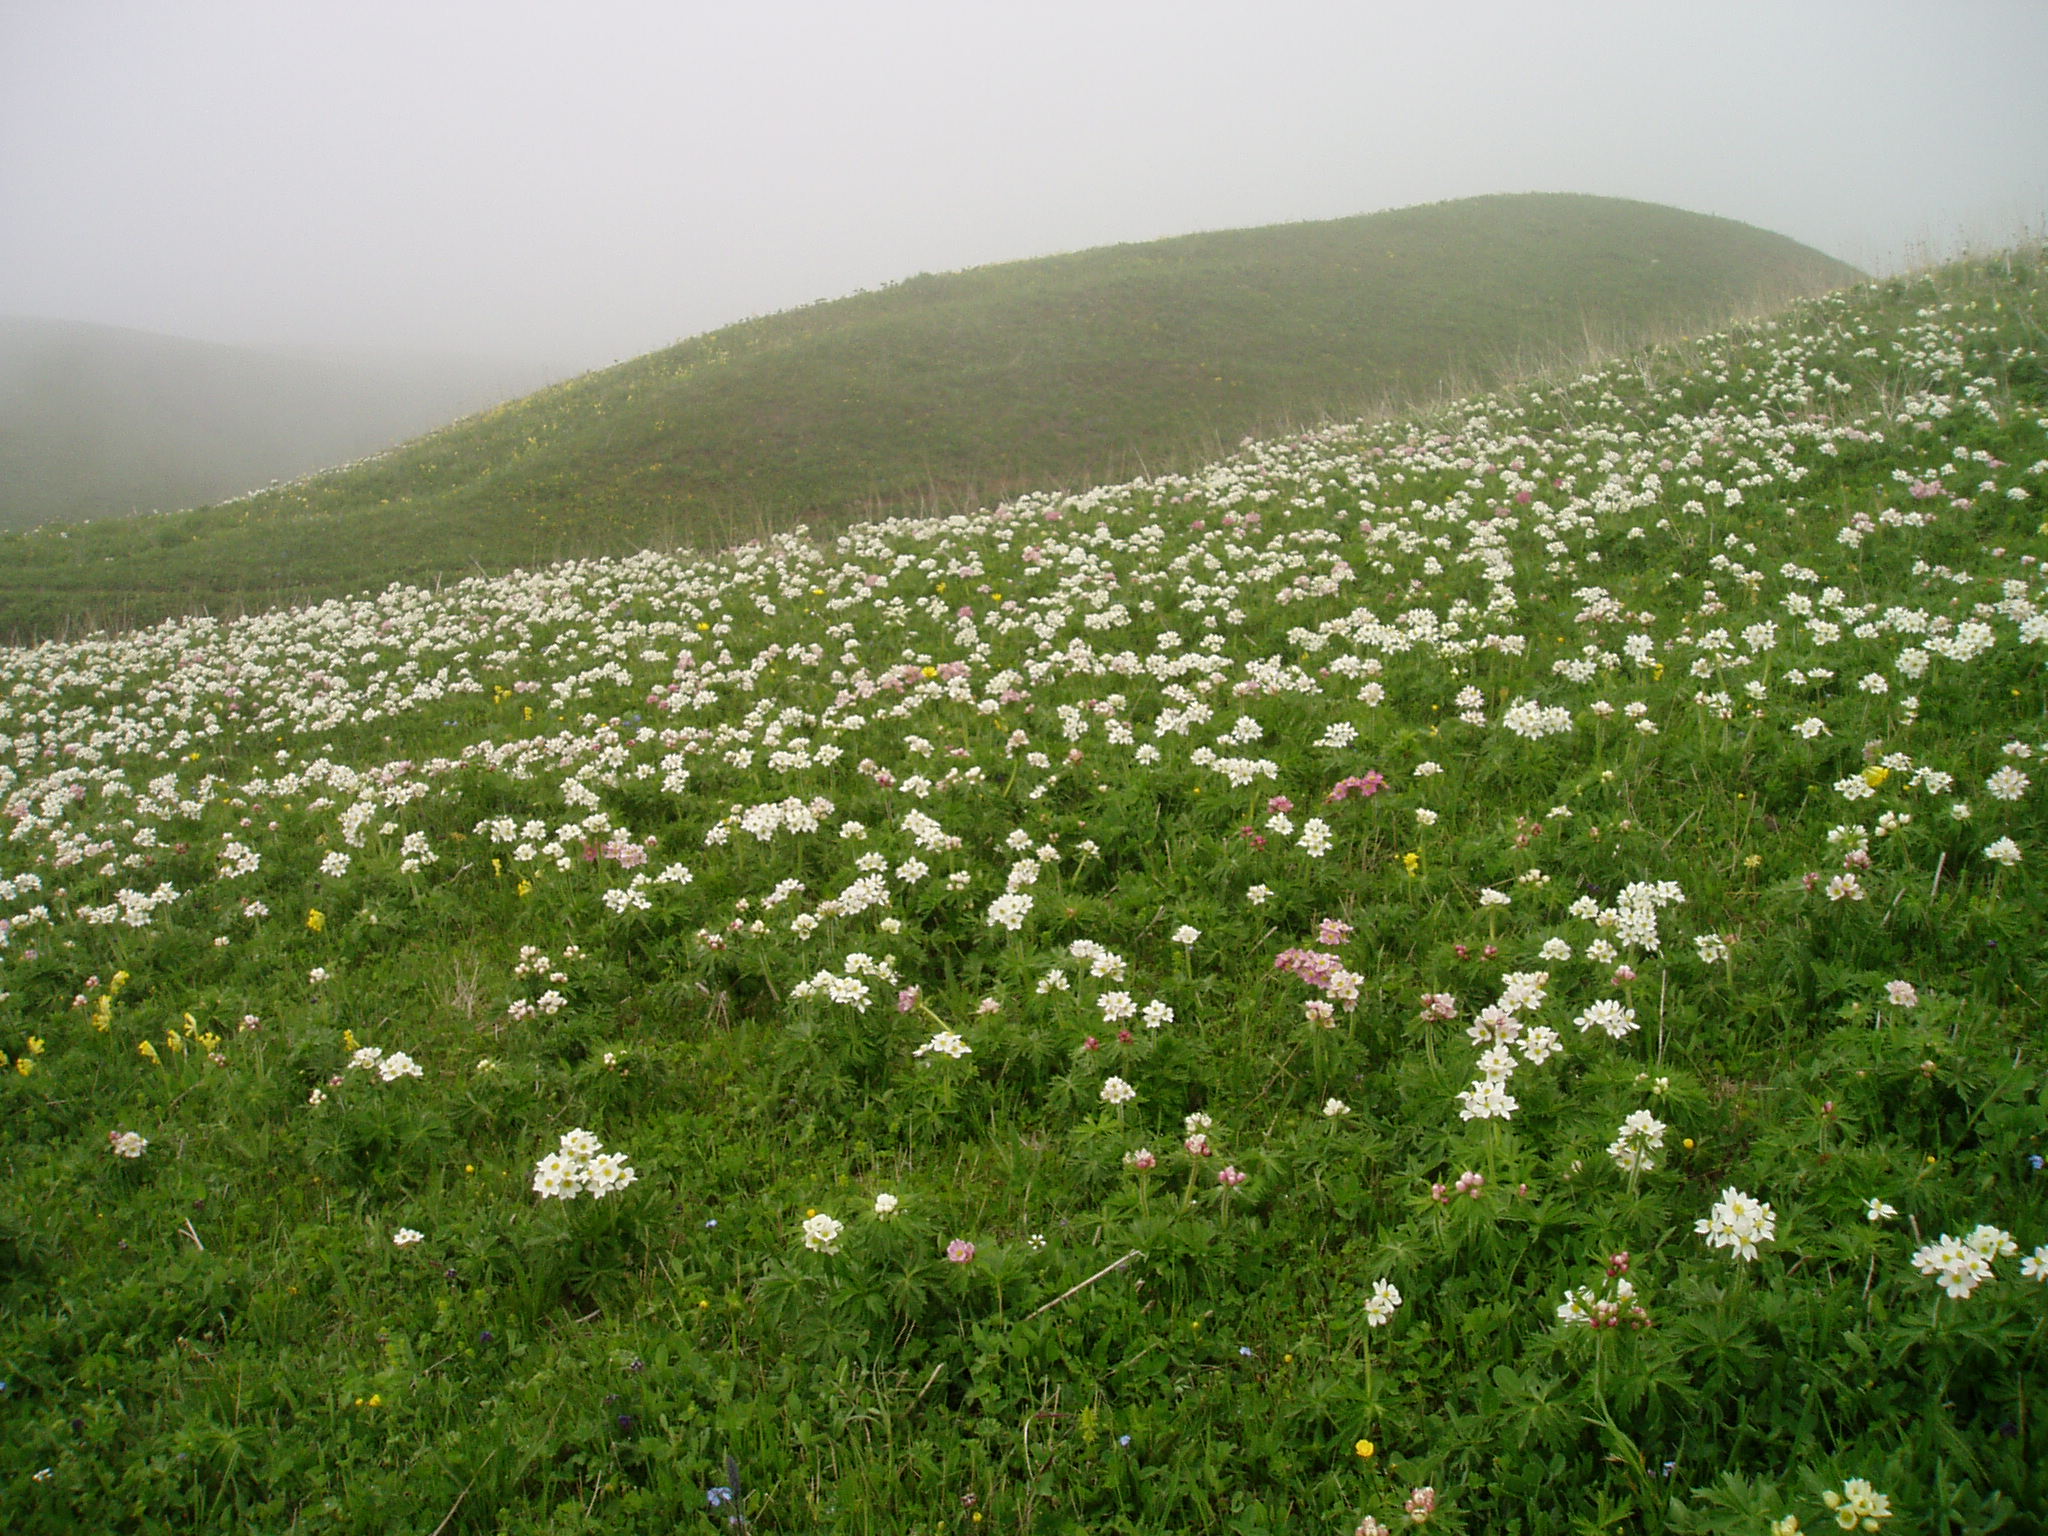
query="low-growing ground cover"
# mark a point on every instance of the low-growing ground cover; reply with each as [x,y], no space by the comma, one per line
[1482,973]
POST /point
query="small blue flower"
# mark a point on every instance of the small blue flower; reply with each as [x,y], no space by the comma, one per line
[718,1497]
[1123,1439]
[711,1223]
[2034,1160]
[1245,1350]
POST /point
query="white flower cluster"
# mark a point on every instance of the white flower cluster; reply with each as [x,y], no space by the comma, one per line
[1633,917]
[1613,1019]
[579,1166]
[928,834]
[1382,1304]
[1103,964]
[789,815]
[1532,721]
[848,990]
[1494,1030]
[2005,851]
[1009,910]
[1240,771]
[945,1043]
[1588,1308]
[389,1067]
[1960,1265]
[1857,1506]
[1641,1134]
[1740,1222]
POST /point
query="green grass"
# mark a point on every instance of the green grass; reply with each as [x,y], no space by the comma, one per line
[945,392]
[1785,590]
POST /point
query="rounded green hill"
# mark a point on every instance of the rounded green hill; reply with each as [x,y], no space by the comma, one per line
[943,391]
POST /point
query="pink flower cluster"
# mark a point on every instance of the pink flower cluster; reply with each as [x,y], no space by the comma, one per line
[1469,1183]
[1312,966]
[1324,972]
[1364,788]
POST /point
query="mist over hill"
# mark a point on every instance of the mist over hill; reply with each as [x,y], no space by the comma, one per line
[99,421]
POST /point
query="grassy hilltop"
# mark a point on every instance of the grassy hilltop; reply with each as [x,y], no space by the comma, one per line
[948,391]
[1482,969]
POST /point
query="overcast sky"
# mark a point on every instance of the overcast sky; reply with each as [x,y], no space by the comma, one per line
[571,183]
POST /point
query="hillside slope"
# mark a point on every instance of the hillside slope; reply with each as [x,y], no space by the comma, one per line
[950,390]
[99,421]
[1484,966]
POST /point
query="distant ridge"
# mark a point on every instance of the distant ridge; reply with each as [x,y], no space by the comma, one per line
[949,391]
[100,420]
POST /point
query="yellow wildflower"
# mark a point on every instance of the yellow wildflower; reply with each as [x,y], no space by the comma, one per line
[148,1052]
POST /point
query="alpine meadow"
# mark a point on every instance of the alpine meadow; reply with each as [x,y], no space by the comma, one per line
[1479,971]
